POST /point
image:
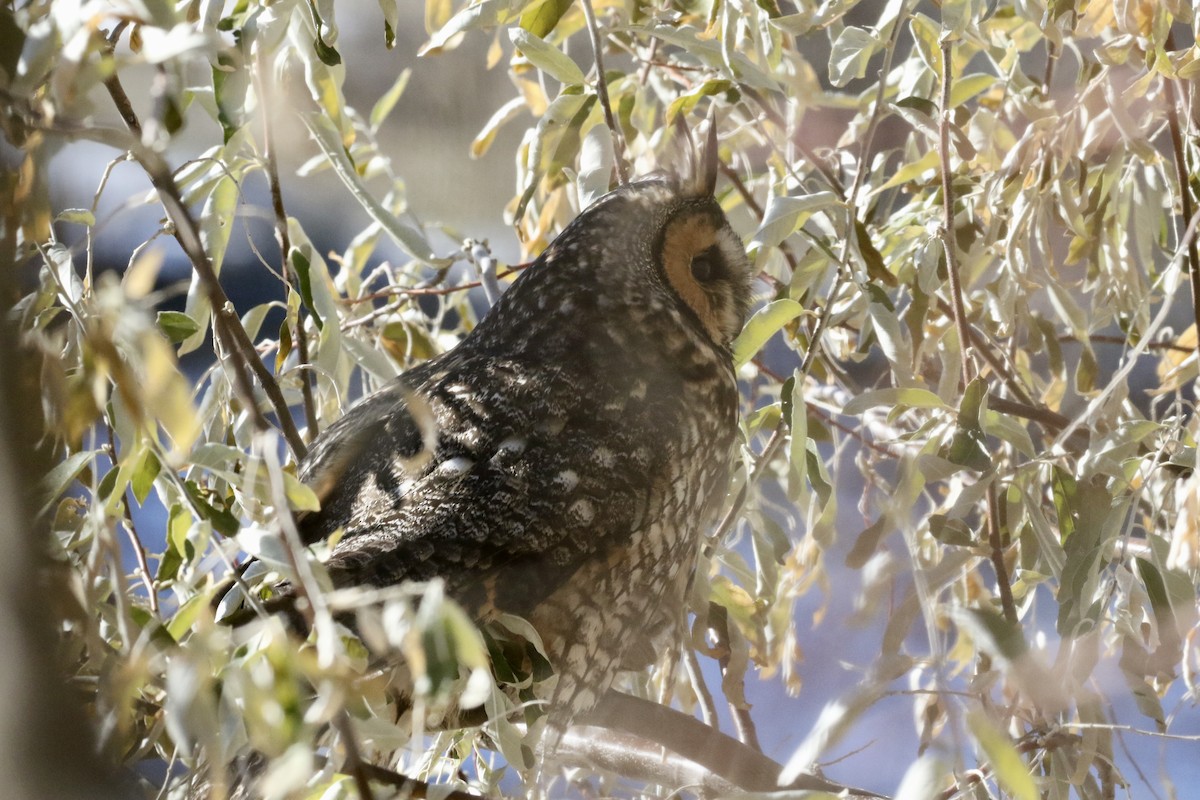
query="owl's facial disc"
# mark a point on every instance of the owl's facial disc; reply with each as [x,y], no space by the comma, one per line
[705,265]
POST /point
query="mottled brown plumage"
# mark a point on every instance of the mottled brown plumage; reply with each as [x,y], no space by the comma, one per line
[583,432]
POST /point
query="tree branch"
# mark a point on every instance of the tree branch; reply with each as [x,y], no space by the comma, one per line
[648,726]
[1185,190]
[227,327]
[602,92]
[948,241]
[283,238]
[354,762]
[718,625]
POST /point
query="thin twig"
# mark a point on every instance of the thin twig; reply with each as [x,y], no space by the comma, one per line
[718,625]
[1108,726]
[656,727]
[602,92]
[735,508]
[995,544]
[135,541]
[852,221]
[354,762]
[648,62]
[1046,417]
[777,119]
[708,708]
[1185,190]
[1051,60]
[996,547]
[227,327]
[310,603]
[981,346]
[430,290]
[956,294]
[284,239]
[1097,338]
[123,104]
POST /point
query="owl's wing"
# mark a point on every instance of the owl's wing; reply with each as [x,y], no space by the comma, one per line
[529,479]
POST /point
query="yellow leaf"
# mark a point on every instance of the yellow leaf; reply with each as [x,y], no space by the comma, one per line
[140,277]
[1011,771]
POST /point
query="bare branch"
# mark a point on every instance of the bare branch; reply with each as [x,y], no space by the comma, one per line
[650,727]
[602,92]
[1185,190]
[227,327]
[354,762]
[262,74]
[948,241]
[718,626]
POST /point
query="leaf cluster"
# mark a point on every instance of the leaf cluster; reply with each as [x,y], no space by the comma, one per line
[948,411]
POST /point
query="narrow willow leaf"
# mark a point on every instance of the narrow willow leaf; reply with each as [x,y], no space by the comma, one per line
[953,532]
[968,86]
[595,164]
[546,57]
[765,323]
[391,19]
[506,113]
[993,634]
[185,618]
[908,398]
[697,44]
[384,105]
[168,395]
[542,16]
[77,216]
[834,721]
[300,496]
[56,481]
[1135,667]
[407,237]
[302,265]
[923,779]
[144,476]
[785,215]
[487,14]
[1010,769]
[686,102]
[216,224]
[867,542]
[1008,429]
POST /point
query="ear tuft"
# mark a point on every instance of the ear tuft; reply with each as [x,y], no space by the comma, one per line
[695,166]
[712,158]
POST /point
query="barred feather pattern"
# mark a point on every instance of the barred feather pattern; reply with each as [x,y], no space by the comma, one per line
[562,462]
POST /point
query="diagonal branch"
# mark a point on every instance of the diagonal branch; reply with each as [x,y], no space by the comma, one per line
[1185,189]
[948,238]
[282,236]
[227,327]
[994,534]
[602,92]
[645,728]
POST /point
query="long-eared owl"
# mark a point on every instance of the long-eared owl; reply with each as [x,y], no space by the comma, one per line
[584,430]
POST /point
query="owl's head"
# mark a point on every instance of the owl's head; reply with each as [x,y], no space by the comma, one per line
[664,241]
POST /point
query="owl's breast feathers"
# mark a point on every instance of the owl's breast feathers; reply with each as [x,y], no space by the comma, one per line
[545,460]
[562,462]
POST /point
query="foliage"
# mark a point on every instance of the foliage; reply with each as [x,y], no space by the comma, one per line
[955,291]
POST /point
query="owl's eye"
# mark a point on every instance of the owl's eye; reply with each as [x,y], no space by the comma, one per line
[706,265]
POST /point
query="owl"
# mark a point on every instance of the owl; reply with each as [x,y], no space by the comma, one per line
[562,462]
